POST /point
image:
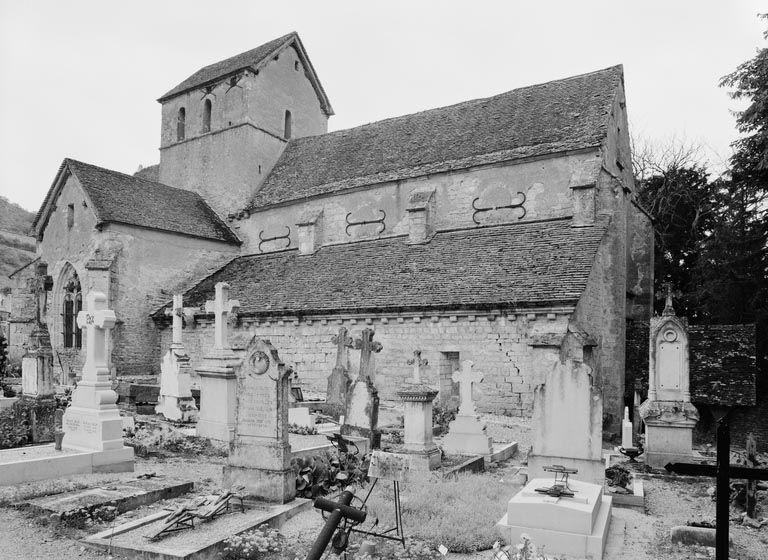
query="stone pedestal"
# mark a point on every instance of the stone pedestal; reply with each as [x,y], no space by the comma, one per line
[668,432]
[418,444]
[37,365]
[7,402]
[218,386]
[175,401]
[260,454]
[576,526]
[467,436]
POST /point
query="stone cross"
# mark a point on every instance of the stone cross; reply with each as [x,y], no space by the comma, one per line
[418,363]
[97,320]
[43,285]
[466,378]
[366,345]
[221,307]
[179,313]
[668,308]
[342,341]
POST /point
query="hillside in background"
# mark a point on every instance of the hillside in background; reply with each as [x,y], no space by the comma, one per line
[17,248]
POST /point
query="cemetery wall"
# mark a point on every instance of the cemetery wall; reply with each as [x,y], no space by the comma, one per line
[544,182]
[496,342]
[227,164]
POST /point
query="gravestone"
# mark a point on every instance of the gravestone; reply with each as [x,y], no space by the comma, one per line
[339,380]
[668,414]
[361,412]
[260,453]
[567,406]
[92,421]
[576,525]
[217,372]
[37,362]
[58,424]
[175,401]
[417,397]
[467,434]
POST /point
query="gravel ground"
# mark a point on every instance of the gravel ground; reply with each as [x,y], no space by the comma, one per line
[669,502]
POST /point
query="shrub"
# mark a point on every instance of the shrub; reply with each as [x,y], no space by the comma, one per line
[441,417]
[460,514]
[331,472]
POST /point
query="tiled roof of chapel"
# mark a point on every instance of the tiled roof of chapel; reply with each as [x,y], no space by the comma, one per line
[558,116]
[252,59]
[120,198]
[533,264]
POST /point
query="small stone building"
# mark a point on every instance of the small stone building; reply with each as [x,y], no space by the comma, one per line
[468,231]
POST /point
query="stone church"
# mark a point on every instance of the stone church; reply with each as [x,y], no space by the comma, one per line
[486,230]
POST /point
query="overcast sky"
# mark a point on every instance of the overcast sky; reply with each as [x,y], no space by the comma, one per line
[80,78]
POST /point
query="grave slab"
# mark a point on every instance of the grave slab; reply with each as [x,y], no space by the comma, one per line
[204,541]
[42,462]
[125,496]
[576,526]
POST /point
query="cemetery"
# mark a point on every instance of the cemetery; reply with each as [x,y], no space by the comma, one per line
[166,484]
[461,334]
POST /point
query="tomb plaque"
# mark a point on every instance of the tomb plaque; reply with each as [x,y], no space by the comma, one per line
[670,361]
[260,454]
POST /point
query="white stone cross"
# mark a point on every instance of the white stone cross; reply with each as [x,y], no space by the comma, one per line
[221,307]
[176,313]
[466,378]
[97,320]
[418,363]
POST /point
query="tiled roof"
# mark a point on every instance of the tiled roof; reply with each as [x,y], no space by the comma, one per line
[149,173]
[250,59]
[723,364]
[127,199]
[562,115]
[525,264]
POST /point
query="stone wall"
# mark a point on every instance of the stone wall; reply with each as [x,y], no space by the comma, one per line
[496,342]
[543,182]
[228,163]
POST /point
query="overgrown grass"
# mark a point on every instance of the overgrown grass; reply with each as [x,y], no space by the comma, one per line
[460,514]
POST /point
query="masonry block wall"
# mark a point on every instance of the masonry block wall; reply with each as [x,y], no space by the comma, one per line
[227,163]
[496,342]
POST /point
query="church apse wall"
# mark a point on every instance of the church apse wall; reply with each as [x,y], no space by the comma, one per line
[532,190]
[496,341]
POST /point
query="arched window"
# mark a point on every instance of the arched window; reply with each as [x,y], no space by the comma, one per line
[181,120]
[207,115]
[73,304]
[287,132]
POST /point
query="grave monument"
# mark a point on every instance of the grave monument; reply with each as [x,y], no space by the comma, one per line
[92,422]
[668,414]
[467,434]
[361,412]
[339,380]
[417,399]
[175,401]
[567,406]
[260,453]
[564,516]
[218,379]
[37,362]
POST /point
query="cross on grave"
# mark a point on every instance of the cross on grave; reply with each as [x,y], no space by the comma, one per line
[177,313]
[221,307]
[366,345]
[418,363]
[466,378]
[343,341]
[97,320]
[43,285]
[723,471]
